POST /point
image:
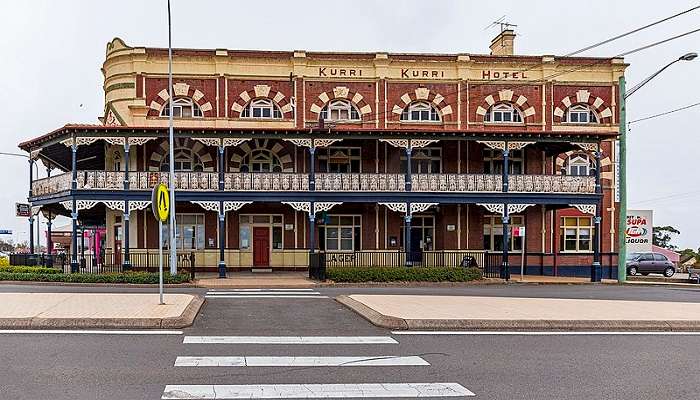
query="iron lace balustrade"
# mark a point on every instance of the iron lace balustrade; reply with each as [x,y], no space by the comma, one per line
[341,182]
[51,185]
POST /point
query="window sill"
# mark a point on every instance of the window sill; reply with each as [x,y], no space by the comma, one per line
[518,124]
[436,123]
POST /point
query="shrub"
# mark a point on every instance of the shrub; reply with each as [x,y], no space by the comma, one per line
[127,277]
[4,261]
[23,269]
[402,274]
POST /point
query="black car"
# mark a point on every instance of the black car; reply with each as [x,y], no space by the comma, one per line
[646,263]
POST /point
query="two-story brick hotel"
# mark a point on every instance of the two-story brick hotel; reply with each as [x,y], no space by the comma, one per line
[368,158]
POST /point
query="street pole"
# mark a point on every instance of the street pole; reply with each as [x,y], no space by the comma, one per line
[171,142]
[160,260]
[622,187]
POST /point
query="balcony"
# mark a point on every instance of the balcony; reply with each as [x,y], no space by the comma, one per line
[325,182]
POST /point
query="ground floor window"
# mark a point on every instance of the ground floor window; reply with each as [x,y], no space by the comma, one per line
[576,234]
[341,233]
[273,222]
[493,233]
[189,232]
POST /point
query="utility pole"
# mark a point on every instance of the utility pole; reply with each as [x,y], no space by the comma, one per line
[622,187]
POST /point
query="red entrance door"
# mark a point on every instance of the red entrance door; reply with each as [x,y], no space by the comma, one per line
[261,246]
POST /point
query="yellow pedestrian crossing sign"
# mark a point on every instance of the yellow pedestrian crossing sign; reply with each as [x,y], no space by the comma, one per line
[161,202]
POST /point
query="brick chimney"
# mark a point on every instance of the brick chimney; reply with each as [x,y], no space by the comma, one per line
[503,43]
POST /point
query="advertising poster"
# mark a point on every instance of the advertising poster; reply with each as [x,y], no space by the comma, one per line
[638,234]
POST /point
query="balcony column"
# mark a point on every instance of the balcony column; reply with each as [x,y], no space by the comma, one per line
[505,269]
[74,208]
[222,217]
[596,268]
[126,265]
[31,214]
[49,244]
[409,179]
[407,235]
[312,167]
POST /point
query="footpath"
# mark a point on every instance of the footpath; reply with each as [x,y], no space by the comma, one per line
[97,310]
[526,314]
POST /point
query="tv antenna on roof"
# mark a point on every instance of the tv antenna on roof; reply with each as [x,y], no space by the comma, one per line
[505,25]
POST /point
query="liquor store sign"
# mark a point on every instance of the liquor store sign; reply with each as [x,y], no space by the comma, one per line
[638,233]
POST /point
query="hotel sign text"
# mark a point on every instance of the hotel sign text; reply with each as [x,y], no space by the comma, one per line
[492,74]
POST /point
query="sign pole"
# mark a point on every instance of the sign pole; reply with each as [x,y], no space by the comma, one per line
[160,261]
[522,253]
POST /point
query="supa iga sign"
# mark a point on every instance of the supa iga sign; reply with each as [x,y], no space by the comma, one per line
[638,233]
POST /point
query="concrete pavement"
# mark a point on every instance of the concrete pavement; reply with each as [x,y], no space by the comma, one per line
[97,310]
[493,313]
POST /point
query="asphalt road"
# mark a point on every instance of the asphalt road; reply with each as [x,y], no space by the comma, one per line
[81,366]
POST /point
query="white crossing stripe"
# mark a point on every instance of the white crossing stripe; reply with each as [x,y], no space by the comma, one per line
[315,391]
[289,340]
[268,296]
[547,333]
[265,361]
[210,293]
[87,332]
[260,290]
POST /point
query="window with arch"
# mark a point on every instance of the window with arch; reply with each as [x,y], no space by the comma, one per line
[185,160]
[182,108]
[580,114]
[420,111]
[340,110]
[261,108]
[503,113]
[261,160]
[578,165]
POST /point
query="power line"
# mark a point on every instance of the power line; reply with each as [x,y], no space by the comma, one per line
[665,113]
[670,197]
[632,32]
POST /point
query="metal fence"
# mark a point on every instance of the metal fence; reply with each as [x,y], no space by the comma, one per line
[108,262]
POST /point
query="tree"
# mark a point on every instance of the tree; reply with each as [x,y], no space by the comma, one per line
[662,236]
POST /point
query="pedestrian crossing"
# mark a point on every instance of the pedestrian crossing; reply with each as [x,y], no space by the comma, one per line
[290,293]
[388,363]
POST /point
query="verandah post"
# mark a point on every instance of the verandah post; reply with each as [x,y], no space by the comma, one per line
[74,208]
[126,265]
[596,269]
[222,217]
[505,268]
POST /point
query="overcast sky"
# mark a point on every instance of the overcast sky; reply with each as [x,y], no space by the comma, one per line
[52,53]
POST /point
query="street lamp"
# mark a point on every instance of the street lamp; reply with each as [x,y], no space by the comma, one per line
[622,163]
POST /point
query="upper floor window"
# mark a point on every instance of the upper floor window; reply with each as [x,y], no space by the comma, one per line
[117,161]
[503,113]
[340,110]
[578,165]
[340,159]
[424,160]
[182,108]
[580,114]
[261,108]
[493,161]
[261,160]
[420,111]
[185,160]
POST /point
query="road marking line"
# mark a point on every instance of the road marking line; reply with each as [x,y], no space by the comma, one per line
[87,332]
[260,290]
[545,333]
[289,340]
[316,391]
[262,296]
[260,293]
[265,361]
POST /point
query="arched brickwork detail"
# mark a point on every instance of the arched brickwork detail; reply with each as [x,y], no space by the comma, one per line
[161,154]
[424,94]
[274,146]
[518,101]
[341,92]
[262,92]
[181,89]
[606,166]
[583,96]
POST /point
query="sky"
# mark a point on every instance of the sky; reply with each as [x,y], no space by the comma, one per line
[52,53]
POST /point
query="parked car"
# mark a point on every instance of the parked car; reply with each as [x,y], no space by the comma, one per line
[646,263]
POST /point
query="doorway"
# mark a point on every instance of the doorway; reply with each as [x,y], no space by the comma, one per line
[261,246]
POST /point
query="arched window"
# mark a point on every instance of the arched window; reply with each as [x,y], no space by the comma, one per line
[185,160]
[340,110]
[580,114]
[261,160]
[261,108]
[578,165]
[420,111]
[503,113]
[182,108]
